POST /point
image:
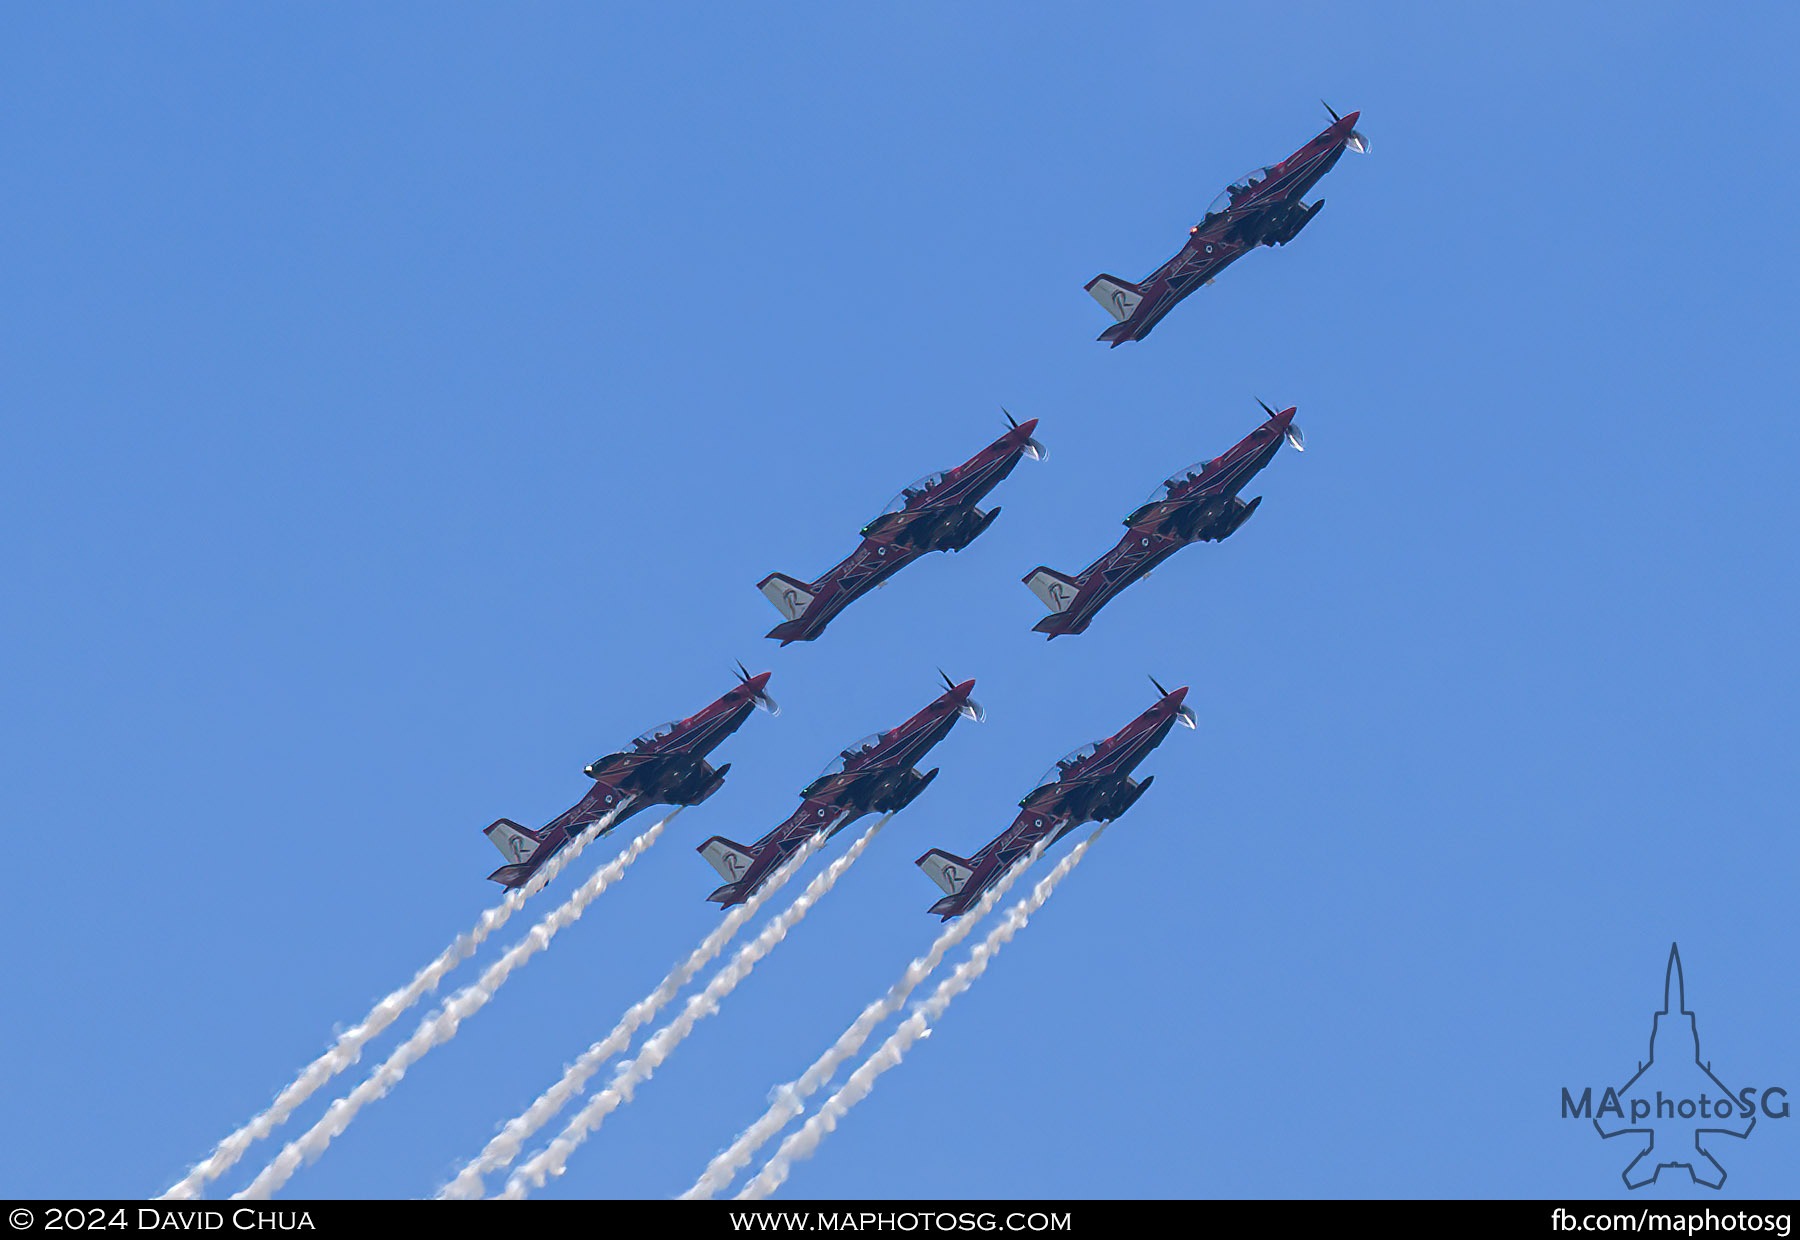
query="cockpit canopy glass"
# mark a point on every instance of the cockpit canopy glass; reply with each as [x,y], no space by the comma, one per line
[1180,478]
[1058,772]
[913,491]
[1231,193]
[851,754]
[645,739]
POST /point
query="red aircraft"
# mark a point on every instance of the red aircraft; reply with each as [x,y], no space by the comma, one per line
[874,775]
[1091,784]
[1198,504]
[664,766]
[936,513]
[1261,208]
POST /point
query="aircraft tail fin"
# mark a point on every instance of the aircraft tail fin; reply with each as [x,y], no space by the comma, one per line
[791,598]
[731,859]
[1055,589]
[1117,297]
[516,843]
[947,870]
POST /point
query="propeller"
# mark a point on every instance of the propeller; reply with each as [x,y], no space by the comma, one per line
[764,701]
[1293,432]
[971,710]
[1355,141]
[1033,449]
[1184,713]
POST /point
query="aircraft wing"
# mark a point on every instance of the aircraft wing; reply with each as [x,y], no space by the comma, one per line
[601,800]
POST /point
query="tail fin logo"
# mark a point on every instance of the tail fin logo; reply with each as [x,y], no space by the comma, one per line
[515,843]
[1057,591]
[948,872]
[1117,297]
[729,859]
[791,598]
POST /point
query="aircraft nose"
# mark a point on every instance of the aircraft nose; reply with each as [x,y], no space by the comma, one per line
[964,689]
[1350,120]
[1026,428]
[760,681]
[1177,696]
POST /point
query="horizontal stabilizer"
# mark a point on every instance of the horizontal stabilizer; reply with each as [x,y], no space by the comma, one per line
[1056,591]
[1118,297]
[951,906]
[791,598]
[516,843]
[947,870]
[731,859]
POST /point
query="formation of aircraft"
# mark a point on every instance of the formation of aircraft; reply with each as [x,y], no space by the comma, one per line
[1196,504]
[1262,207]
[877,774]
[665,765]
[936,513]
[1089,784]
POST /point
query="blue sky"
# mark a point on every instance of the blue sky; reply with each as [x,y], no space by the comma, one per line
[403,402]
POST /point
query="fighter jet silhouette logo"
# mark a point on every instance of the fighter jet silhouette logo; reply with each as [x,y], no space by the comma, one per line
[1676,1092]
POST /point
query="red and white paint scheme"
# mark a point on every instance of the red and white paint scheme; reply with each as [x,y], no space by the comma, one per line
[936,513]
[875,775]
[1092,784]
[665,765]
[1196,504]
[1263,207]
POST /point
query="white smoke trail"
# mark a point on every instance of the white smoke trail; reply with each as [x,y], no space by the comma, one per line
[888,1055]
[348,1047]
[505,1146]
[554,1158]
[441,1026]
[790,1099]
